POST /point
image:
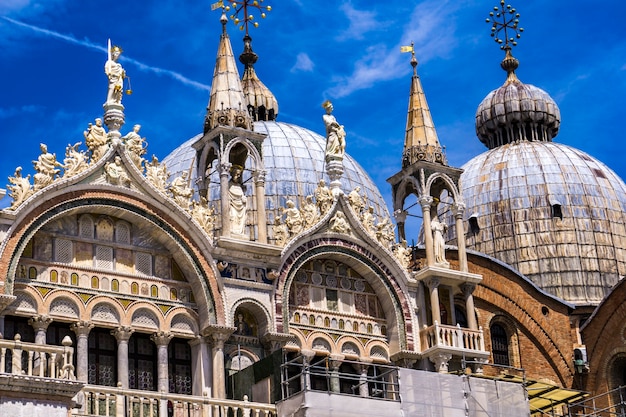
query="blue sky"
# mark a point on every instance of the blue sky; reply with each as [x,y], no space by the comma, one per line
[54,85]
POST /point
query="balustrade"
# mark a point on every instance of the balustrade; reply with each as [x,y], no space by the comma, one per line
[445,336]
[31,359]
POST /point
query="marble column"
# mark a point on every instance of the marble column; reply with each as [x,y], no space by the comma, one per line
[259,194]
[458,209]
[433,286]
[334,363]
[82,329]
[122,335]
[218,335]
[468,290]
[224,169]
[40,323]
[426,202]
[201,367]
[400,216]
[362,368]
[162,340]
[305,376]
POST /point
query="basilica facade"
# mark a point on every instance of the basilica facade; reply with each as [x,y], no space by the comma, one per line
[258,261]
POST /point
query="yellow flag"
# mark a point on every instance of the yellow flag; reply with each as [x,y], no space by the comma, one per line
[408,48]
[217,5]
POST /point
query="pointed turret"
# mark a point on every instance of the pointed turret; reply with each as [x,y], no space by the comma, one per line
[261,103]
[420,141]
[227,104]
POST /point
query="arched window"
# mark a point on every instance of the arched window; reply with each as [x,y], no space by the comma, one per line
[499,345]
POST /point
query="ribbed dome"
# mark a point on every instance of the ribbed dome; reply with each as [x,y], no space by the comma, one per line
[516,111]
[551,211]
[294,162]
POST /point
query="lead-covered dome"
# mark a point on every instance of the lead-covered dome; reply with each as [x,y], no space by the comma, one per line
[516,111]
[551,211]
[294,163]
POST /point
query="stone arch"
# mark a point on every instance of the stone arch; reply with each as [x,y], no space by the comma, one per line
[262,314]
[447,182]
[27,301]
[408,186]
[106,311]
[378,352]
[145,316]
[182,321]
[512,339]
[367,264]
[240,357]
[321,343]
[191,255]
[64,305]
[253,154]
[351,347]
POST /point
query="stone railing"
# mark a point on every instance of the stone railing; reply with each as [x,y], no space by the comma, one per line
[31,359]
[118,402]
[340,321]
[456,337]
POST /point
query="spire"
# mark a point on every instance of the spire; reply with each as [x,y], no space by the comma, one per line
[261,103]
[420,141]
[227,104]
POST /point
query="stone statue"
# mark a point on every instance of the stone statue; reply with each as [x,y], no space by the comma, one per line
[323,197]
[157,173]
[281,234]
[180,190]
[116,173]
[75,161]
[96,140]
[293,219]
[136,145]
[367,218]
[403,254]
[339,224]
[204,215]
[439,243]
[309,212]
[238,201]
[46,167]
[116,74]
[356,201]
[335,135]
[19,188]
[384,232]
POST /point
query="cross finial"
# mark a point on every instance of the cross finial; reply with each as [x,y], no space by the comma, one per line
[245,6]
[505,19]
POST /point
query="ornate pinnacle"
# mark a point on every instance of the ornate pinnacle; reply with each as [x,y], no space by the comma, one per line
[505,19]
[243,5]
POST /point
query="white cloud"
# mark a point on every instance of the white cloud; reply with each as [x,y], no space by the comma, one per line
[102,48]
[383,62]
[361,22]
[303,63]
[8,112]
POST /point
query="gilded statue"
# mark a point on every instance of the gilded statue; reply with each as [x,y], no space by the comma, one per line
[116,74]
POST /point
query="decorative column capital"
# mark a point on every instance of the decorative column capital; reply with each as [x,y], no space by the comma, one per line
[259,176]
[458,209]
[335,360]
[218,334]
[400,215]
[432,283]
[122,333]
[224,168]
[40,322]
[82,328]
[6,300]
[441,361]
[467,289]
[161,338]
[425,201]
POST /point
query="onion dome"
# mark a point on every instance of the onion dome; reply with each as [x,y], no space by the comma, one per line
[227,104]
[516,111]
[261,103]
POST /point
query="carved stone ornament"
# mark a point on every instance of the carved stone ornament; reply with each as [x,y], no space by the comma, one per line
[339,224]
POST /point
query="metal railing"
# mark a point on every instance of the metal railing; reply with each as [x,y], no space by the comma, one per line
[376,381]
[609,404]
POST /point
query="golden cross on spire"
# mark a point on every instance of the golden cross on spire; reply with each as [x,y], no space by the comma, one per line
[505,19]
[247,6]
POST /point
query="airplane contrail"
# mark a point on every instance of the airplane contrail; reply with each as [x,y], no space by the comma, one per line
[144,67]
